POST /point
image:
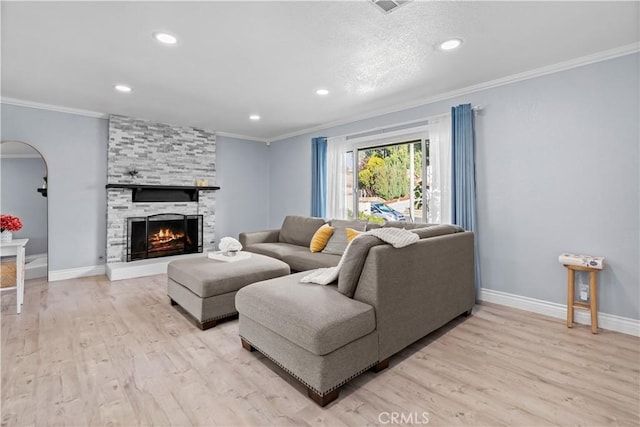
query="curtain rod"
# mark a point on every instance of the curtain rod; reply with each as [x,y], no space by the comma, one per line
[382,129]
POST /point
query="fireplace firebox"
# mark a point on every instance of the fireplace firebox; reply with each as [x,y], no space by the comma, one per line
[163,235]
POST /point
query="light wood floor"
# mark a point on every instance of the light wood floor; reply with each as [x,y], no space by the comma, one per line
[90,352]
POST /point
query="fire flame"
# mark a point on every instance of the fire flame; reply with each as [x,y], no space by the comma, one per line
[165,235]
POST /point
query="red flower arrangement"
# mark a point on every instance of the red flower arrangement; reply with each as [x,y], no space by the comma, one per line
[11,223]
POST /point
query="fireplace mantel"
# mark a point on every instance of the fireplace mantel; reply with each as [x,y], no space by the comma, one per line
[163,193]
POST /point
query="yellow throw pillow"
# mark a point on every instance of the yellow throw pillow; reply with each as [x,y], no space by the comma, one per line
[352,234]
[320,238]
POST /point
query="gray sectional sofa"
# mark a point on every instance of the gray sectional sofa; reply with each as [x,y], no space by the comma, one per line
[384,300]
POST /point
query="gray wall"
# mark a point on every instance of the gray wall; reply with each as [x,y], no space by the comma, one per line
[557,170]
[21,177]
[242,203]
[74,148]
[163,154]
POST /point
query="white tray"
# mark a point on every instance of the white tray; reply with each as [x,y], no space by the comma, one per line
[219,256]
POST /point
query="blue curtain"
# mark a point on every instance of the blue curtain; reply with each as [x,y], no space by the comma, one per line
[463,179]
[319,177]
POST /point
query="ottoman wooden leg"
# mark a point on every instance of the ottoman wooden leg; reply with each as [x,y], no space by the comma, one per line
[382,365]
[322,400]
[207,325]
[246,345]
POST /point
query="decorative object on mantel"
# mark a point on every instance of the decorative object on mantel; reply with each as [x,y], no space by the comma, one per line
[202,182]
[133,172]
[230,246]
[44,184]
[9,224]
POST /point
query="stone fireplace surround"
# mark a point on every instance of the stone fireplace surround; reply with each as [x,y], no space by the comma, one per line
[163,155]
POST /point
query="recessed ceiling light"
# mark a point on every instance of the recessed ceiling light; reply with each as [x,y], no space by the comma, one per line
[254,117]
[450,44]
[123,88]
[322,92]
[165,38]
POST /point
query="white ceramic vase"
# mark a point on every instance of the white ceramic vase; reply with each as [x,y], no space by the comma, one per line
[6,236]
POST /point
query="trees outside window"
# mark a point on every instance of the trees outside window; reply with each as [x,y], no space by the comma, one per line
[388,182]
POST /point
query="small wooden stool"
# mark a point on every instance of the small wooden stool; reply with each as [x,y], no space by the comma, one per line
[592,305]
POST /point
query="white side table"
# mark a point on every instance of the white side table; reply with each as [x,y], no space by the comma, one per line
[16,248]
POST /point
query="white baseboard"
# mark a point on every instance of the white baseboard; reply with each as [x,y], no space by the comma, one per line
[74,273]
[612,322]
[120,270]
[146,267]
[29,258]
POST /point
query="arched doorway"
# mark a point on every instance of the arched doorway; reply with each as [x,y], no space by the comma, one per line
[23,187]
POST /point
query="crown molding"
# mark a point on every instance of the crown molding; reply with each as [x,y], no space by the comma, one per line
[244,137]
[51,107]
[95,114]
[514,78]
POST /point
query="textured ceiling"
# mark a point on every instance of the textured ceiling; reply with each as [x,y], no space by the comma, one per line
[238,58]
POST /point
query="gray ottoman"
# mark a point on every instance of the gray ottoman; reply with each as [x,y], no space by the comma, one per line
[206,288]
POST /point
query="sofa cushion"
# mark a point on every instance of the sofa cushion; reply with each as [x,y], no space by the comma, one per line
[298,230]
[303,261]
[437,230]
[407,225]
[338,241]
[276,250]
[395,224]
[320,238]
[317,318]
[353,262]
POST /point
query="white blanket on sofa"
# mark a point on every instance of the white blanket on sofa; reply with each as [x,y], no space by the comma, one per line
[396,237]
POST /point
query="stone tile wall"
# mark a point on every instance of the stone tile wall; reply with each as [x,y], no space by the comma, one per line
[163,155]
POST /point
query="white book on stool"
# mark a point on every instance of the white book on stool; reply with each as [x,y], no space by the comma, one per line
[582,260]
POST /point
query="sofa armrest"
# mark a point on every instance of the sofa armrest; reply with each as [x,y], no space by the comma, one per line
[253,237]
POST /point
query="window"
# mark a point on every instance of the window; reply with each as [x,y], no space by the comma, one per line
[399,176]
[388,182]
